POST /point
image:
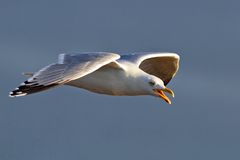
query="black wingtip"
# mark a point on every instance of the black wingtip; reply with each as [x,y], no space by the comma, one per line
[19,91]
[28,88]
[16,93]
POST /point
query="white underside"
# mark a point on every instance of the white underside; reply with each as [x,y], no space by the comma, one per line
[112,82]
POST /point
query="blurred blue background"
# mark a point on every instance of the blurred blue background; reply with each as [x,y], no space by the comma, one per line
[68,123]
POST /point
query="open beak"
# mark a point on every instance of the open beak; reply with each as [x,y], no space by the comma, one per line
[160,93]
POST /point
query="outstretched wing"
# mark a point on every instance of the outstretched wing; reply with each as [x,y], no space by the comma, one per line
[162,65]
[68,68]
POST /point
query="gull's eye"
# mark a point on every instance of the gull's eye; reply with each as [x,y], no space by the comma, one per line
[151,83]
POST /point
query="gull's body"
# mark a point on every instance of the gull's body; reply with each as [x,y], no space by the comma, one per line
[113,81]
[106,73]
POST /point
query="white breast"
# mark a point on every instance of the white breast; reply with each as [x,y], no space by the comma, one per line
[112,82]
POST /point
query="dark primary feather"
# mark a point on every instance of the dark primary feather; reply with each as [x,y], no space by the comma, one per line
[29,88]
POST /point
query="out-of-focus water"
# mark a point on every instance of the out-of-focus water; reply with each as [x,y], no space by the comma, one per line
[67,123]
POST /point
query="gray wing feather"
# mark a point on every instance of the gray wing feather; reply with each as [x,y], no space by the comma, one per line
[68,68]
[162,65]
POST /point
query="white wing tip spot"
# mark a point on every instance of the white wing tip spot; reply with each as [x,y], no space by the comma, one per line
[17,94]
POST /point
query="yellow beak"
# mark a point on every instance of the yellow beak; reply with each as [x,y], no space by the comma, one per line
[161,94]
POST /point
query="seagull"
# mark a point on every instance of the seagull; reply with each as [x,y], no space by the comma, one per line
[108,73]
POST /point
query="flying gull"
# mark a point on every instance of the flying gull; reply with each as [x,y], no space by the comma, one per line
[107,73]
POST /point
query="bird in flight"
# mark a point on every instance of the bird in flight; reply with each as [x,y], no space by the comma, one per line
[107,73]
